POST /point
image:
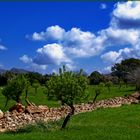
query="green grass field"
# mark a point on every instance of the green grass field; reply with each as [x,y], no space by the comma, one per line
[41,98]
[104,124]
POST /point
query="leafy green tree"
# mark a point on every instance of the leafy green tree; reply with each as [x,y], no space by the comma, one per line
[98,90]
[35,85]
[27,86]
[125,67]
[9,75]
[67,87]
[135,75]
[3,80]
[14,89]
[108,85]
[121,83]
[95,78]
[34,76]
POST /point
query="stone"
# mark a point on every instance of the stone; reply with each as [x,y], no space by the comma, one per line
[136,95]
[43,108]
[18,107]
[117,105]
[1,114]
[32,114]
[33,109]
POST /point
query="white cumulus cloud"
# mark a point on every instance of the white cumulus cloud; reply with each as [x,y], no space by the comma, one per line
[52,32]
[75,41]
[111,56]
[68,45]
[26,59]
[51,54]
[126,15]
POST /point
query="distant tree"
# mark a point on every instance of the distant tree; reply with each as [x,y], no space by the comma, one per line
[27,86]
[135,76]
[121,83]
[98,90]
[137,79]
[108,85]
[35,85]
[125,67]
[3,80]
[67,87]
[33,77]
[95,78]
[108,77]
[9,75]
[14,89]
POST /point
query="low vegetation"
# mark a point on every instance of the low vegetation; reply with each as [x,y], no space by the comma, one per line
[117,123]
[69,88]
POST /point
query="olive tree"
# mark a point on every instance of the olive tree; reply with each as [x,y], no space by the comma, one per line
[35,86]
[135,76]
[137,79]
[108,85]
[98,90]
[14,89]
[67,87]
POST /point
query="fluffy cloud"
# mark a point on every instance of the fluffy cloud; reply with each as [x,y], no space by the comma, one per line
[116,36]
[111,56]
[126,15]
[123,32]
[2,47]
[53,33]
[36,67]
[51,54]
[82,43]
[26,59]
[107,69]
[75,41]
[48,54]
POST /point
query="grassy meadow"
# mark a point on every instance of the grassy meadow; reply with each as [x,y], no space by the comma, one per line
[104,124]
[41,98]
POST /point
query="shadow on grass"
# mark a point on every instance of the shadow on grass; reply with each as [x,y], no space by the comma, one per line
[40,126]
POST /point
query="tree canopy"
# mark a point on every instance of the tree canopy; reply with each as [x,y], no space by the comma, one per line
[127,65]
[95,78]
[14,88]
[67,87]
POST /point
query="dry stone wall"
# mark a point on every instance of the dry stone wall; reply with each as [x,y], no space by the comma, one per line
[18,117]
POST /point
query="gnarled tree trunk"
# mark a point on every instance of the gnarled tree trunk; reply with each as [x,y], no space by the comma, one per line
[6,102]
[68,116]
[18,100]
[27,100]
[97,94]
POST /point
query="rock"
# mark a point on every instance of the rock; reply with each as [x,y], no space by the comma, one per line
[1,114]
[2,130]
[117,105]
[18,107]
[33,109]
[32,114]
[136,95]
[43,108]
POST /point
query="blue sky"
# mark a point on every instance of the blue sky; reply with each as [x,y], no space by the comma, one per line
[42,36]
